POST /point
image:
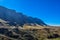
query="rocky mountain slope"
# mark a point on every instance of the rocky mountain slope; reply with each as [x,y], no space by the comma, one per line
[33,28]
[13,17]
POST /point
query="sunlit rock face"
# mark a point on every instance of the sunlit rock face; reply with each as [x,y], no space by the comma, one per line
[14,18]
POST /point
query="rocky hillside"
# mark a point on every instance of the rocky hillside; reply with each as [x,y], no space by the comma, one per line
[29,34]
[14,18]
[33,28]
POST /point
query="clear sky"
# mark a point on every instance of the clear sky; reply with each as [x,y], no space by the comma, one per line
[47,10]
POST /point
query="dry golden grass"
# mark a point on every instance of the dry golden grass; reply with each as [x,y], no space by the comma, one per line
[34,27]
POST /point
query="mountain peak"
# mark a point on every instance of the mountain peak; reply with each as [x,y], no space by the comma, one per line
[15,18]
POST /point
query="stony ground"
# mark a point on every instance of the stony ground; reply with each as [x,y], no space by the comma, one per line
[43,33]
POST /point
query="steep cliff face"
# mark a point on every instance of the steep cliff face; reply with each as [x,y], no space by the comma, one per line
[14,18]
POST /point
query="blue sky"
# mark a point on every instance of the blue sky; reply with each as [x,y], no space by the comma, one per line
[47,10]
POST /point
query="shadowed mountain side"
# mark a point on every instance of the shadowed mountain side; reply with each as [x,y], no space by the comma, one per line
[14,18]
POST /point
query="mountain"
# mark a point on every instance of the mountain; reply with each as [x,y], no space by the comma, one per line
[17,18]
[33,28]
